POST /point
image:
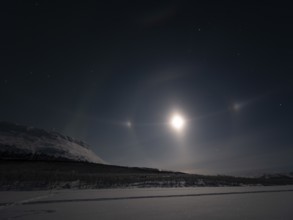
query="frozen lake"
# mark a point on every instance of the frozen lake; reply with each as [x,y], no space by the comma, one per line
[155,203]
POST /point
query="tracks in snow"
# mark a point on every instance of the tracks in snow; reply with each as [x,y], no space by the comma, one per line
[37,201]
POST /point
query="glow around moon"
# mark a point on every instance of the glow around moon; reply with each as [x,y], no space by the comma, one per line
[177,122]
[128,124]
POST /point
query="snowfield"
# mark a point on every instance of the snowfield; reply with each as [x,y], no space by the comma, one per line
[159,203]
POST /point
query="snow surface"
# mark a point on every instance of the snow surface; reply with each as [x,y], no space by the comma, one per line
[173,203]
[19,139]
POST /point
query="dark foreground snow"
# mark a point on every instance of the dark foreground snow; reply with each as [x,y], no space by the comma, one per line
[175,203]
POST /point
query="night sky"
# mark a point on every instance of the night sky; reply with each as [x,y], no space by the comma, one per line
[112,73]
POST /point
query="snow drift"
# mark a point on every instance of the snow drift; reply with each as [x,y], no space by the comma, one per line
[21,142]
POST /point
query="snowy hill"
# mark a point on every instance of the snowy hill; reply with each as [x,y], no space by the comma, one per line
[21,142]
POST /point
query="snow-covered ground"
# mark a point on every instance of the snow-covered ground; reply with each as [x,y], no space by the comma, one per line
[167,203]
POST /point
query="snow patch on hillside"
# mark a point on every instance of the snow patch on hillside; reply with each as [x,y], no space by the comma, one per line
[17,141]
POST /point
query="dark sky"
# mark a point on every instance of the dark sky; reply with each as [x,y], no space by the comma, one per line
[88,68]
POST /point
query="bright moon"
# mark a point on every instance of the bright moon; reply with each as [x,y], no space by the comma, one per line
[177,122]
